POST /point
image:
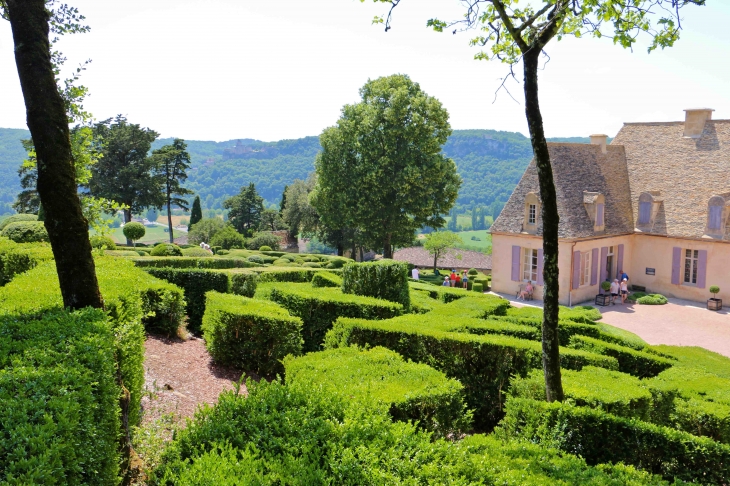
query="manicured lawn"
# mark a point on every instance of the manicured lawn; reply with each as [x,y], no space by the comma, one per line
[476,240]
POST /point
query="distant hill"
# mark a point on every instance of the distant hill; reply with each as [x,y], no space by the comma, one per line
[490,162]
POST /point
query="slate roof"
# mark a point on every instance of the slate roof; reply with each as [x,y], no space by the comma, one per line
[577,168]
[419,256]
[685,172]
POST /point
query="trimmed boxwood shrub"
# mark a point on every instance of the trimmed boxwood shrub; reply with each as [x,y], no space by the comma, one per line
[59,420]
[384,279]
[277,253]
[484,364]
[17,218]
[197,252]
[102,242]
[264,248]
[601,437]
[166,250]
[312,264]
[326,279]
[18,258]
[190,262]
[412,391]
[263,239]
[296,275]
[252,335]
[472,272]
[320,307]
[477,287]
[244,284]
[25,232]
[195,283]
[630,361]
[123,253]
[652,299]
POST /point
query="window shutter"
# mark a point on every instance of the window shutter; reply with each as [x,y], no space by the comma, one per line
[576,269]
[676,261]
[599,215]
[594,266]
[540,266]
[715,217]
[644,212]
[620,260]
[516,250]
[701,269]
[604,258]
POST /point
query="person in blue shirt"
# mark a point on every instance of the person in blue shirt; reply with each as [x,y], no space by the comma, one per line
[623,276]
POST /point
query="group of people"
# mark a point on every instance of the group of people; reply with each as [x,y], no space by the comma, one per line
[205,246]
[456,279]
[620,288]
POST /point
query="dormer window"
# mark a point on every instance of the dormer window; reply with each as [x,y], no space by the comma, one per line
[649,203]
[716,215]
[532,212]
[595,204]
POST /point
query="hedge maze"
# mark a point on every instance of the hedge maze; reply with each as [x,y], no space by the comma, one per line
[368,379]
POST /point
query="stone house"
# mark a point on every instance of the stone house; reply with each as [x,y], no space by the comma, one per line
[654,202]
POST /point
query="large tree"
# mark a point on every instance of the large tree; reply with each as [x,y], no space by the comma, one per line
[245,210]
[125,173]
[440,243]
[381,169]
[171,163]
[46,112]
[515,35]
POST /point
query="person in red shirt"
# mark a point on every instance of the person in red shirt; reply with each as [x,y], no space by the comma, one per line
[458,280]
[452,277]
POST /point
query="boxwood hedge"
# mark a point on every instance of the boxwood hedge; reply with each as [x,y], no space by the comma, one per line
[17,258]
[384,279]
[193,262]
[637,363]
[326,279]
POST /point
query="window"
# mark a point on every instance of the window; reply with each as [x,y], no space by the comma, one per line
[609,263]
[599,214]
[585,268]
[529,265]
[691,258]
[644,212]
[532,214]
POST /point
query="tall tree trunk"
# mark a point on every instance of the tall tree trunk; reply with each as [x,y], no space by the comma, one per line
[550,219]
[387,247]
[435,260]
[169,221]
[340,249]
[128,219]
[68,230]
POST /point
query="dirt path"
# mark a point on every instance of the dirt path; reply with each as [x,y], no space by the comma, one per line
[179,376]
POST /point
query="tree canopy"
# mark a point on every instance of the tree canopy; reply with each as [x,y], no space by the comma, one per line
[439,243]
[381,169]
[245,210]
[171,163]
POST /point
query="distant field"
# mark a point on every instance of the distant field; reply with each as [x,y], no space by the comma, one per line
[482,242]
[153,235]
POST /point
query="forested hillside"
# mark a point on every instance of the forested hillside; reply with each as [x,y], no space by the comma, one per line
[490,162]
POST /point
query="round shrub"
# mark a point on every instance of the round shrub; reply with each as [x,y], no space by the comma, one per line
[25,232]
[472,272]
[134,231]
[227,238]
[265,248]
[216,249]
[100,241]
[204,230]
[222,252]
[337,262]
[634,296]
[606,286]
[312,265]
[283,262]
[714,289]
[166,249]
[196,251]
[142,253]
[256,259]
[263,239]
[18,218]
[477,287]
[652,299]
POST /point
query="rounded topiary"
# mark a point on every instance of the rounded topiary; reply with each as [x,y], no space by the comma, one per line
[134,231]
[102,242]
[472,271]
[216,249]
[714,290]
[222,252]
[196,251]
[477,287]
[256,259]
[166,249]
[312,264]
[606,286]
[25,232]
[18,218]
[652,299]
[264,248]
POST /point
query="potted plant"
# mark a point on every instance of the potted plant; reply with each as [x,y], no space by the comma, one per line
[604,298]
[714,303]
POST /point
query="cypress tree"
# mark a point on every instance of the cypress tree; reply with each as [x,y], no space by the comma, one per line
[196,214]
[283,200]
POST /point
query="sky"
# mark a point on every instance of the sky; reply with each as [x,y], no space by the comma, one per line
[227,69]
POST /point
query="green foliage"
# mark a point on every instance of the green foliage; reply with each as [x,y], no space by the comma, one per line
[473,272]
[195,283]
[637,363]
[250,334]
[204,230]
[196,213]
[263,239]
[652,299]
[714,289]
[264,248]
[245,210]
[440,243]
[384,279]
[18,258]
[395,133]
[102,242]
[227,238]
[600,437]
[134,231]
[320,307]
[326,279]
[18,218]
[477,287]
[484,364]
[196,252]
[171,163]
[411,391]
[244,284]
[59,420]
[166,250]
[194,262]
[25,232]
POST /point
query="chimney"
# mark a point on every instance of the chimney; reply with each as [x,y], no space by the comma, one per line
[694,121]
[599,139]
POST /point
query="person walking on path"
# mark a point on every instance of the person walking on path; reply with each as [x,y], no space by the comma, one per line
[623,276]
[624,290]
[614,290]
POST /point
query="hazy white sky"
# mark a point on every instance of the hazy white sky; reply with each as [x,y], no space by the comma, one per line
[225,69]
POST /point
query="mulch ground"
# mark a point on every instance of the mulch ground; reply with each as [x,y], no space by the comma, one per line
[179,376]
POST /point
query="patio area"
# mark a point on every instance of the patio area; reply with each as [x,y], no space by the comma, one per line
[678,323]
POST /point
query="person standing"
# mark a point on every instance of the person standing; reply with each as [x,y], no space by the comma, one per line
[623,276]
[452,277]
[415,273]
[614,290]
[446,282]
[465,280]
[624,290]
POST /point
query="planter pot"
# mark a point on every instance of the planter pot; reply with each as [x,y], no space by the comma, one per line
[714,304]
[603,299]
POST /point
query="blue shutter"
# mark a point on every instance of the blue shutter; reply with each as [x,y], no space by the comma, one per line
[644,212]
